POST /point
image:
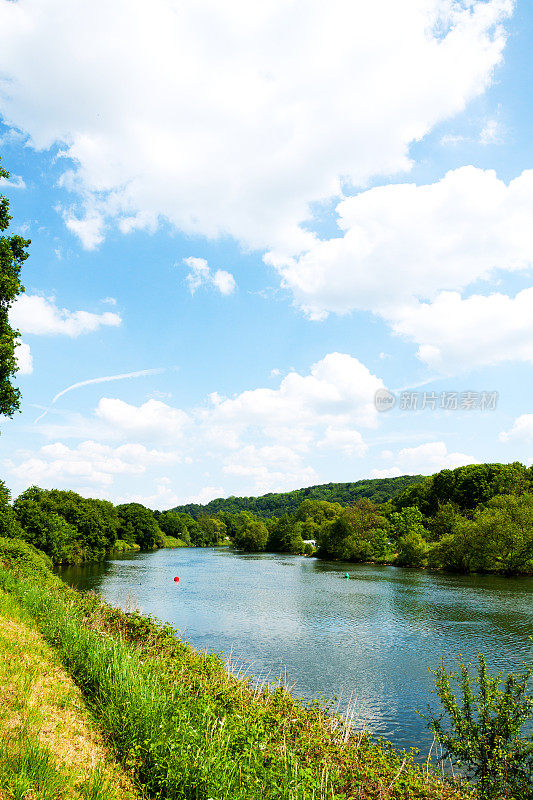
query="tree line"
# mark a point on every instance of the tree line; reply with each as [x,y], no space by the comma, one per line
[477,518]
[378,490]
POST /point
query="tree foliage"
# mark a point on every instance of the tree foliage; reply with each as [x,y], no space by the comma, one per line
[378,490]
[13,253]
[66,526]
[481,731]
[137,525]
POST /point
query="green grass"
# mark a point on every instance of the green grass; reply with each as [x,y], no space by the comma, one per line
[50,747]
[123,547]
[184,727]
[172,541]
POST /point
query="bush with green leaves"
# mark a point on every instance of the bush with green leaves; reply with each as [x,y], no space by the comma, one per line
[481,731]
[24,560]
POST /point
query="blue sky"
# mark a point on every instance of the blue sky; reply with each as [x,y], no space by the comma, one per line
[261,217]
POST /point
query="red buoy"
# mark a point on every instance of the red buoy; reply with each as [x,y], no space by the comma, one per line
[176,580]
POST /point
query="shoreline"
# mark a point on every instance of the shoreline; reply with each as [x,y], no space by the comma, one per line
[303,749]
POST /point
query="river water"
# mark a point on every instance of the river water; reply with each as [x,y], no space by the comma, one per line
[367,641]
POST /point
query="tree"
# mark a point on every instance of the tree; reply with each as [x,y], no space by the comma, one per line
[407,521]
[252,535]
[482,732]
[173,524]
[9,526]
[360,533]
[137,525]
[12,256]
[210,531]
[89,534]
[412,550]
[286,536]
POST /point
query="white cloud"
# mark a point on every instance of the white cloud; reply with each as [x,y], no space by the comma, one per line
[89,463]
[455,334]
[232,118]
[338,391]
[452,139]
[263,439]
[491,133]
[90,229]
[272,468]
[24,359]
[405,242]
[40,315]
[522,430]
[425,459]
[162,498]
[344,441]
[13,182]
[332,400]
[205,495]
[153,420]
[201,275]
[111,301]
[224,281]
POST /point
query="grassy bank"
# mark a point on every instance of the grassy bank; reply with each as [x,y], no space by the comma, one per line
[50,745]
[183,727]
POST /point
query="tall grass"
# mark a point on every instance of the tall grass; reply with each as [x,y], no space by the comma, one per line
[177,745]
[188,729]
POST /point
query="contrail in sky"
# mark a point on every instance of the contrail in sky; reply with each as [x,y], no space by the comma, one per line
[104,379]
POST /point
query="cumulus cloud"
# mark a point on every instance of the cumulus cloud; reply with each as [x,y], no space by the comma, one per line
[345,441]
[233,118]
[13,182]
[153,420]
[425,459]
[40,315]
[270,467]
[327,404]
[200,274]
[205,495]
[262,439]
[522,430]
[91,463]
[455,334]
[404,243]
[90,229]
[163,497]
[338,391]
[24,359]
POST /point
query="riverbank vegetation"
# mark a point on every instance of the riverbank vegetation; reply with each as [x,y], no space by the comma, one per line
[477,518]
[181,725]
[50,744]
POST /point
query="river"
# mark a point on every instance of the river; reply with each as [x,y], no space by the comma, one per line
[367,641]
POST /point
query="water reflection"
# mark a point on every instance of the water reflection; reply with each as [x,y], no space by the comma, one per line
[370,638]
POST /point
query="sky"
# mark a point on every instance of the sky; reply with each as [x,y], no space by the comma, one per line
[272,244]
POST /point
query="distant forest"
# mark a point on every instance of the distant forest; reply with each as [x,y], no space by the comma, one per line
[377,490]
[477,518]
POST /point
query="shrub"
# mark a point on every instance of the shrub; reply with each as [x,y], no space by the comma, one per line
[24,559]
[481,732]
